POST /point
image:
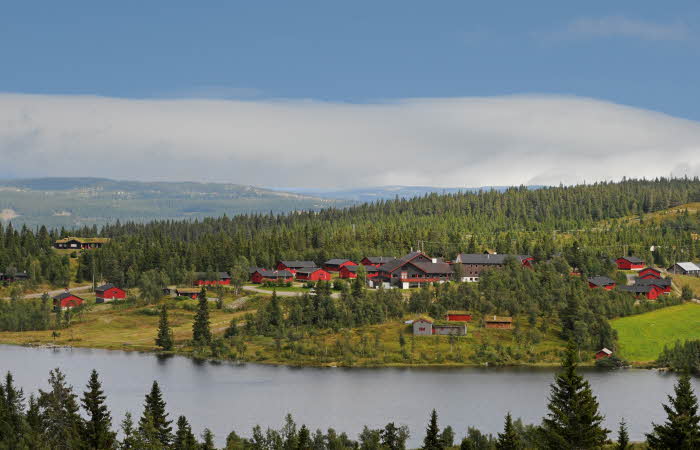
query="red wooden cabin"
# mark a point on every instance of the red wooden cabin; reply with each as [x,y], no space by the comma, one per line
[192,293]
[351,271]
[629,263]
[458,316]
[220,278]
[650,292]
[649,272]
[498,322]
[334,265]
[376,261]
[664,284]
[603,353]
[262,275]
[108,292]
[67,301]
[313,274]
[293,266]
[602,282]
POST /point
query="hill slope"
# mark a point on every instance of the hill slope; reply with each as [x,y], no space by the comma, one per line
[88,201]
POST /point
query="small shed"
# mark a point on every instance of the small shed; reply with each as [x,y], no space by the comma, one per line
[498,322]
[458,316]
[453,328]
[603,353]
[685,268]
[423,327]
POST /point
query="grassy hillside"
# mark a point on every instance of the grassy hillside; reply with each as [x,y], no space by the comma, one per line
[86,201]
[642,337]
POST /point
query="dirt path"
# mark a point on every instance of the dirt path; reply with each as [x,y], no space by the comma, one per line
[56,292]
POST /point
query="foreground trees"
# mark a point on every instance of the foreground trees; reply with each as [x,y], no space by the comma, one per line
[681,429]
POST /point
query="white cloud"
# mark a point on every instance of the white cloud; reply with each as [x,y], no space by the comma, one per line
[630,28]
[441,142]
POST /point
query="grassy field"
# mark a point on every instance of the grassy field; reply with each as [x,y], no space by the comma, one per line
[642,337]
[685,280]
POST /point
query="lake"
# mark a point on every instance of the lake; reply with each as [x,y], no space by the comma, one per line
[226,396]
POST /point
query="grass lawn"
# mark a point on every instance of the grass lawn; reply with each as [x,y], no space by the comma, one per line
[642,337]
[282,288]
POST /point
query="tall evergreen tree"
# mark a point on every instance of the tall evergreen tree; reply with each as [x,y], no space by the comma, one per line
[184,438]
[201,333]
[432,434]
[623,438]
[304,438]
[96,431]
[154,411]
[59,411]
[509,439]
[13,425]
[207,440]
[573,420]
[165,334]
[681,430]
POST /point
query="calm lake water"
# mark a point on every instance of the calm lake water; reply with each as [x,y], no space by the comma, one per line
[227,397]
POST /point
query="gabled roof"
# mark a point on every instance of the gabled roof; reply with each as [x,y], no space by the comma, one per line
[487,259]
[423,319]
[309,270]
[650,268]
[395,264]
[336,261]
[606,351]
[105,287]
[65,295]
[632,259]
[354,269]
[298,264]
[379,259]
[660,282]
[433,268]
[601,281]
[267,273]
[688,266]
[637,288]
[253,269]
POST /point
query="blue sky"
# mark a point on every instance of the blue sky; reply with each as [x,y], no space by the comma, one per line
[325,92]
[644,54]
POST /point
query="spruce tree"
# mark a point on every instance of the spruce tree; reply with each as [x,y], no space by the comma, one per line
[59,410]
[207,440]
[184,438]
[304,438]
[129,433]
[509,439]
[154,411]
[681,430]
[201,334]
[573,420]
[165,334]
[96,431]
[13,425]
[623,438]
[432,434]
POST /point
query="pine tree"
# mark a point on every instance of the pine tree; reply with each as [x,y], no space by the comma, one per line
[13,425]
[573,420]
[184,438]
[681,430]
[623,438]
[129,433]
[96,431]
[59,411]
[432,434]
[154,410]
[304,438]
[509,439]
[207,440]
[165,334]
[201,334]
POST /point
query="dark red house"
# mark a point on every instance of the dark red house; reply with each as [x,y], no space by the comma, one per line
[649,292]
[649,272]
[601,282]
[351,271]
[376,261]
[66,301]
[108,292]
[219,278]
[262,275]
[664,284]
[603,353]
[505,323]
[629,263]
[293,266]
[313,274]
[458,316]
[334,265]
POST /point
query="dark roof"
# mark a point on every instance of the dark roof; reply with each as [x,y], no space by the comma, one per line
[379,259]
[632,259]
[367,268]
[105,287]
[308,270]
[396,263]
[601,281]
[253,269]
[65,295]
[650,268]
[636,288]
[203,275]
[298,264]
[660,282]
[266,273]
[486,259]
[336,261]
[431,267]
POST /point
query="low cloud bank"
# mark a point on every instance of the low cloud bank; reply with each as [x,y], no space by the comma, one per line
[436,142]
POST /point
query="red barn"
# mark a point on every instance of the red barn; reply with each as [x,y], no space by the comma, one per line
[219,278]
[293,266]
[108,292]
[67,301]
[650,272]
[313,274]
[262,275]
[603,282]
[351,271]
[629,263]
[603,353]
[334,265]
[376,261]
[458,316]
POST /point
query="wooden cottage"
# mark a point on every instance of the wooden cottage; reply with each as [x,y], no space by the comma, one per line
[649,272]
[192,293]
[313,274]
[601,282]
[293,266]
[498,322]
[376,261]
[603,353]
[458,316]
[685,268]
[67,300]
[334,265]
[351,271]
[629,263]
[108,292]
[263,275]
[218,278]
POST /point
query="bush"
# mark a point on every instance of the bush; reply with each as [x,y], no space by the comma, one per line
[611,362]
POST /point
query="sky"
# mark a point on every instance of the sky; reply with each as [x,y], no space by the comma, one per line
[350,94]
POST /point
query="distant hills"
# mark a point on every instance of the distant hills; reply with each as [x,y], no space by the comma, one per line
[370,194]
[72,202]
